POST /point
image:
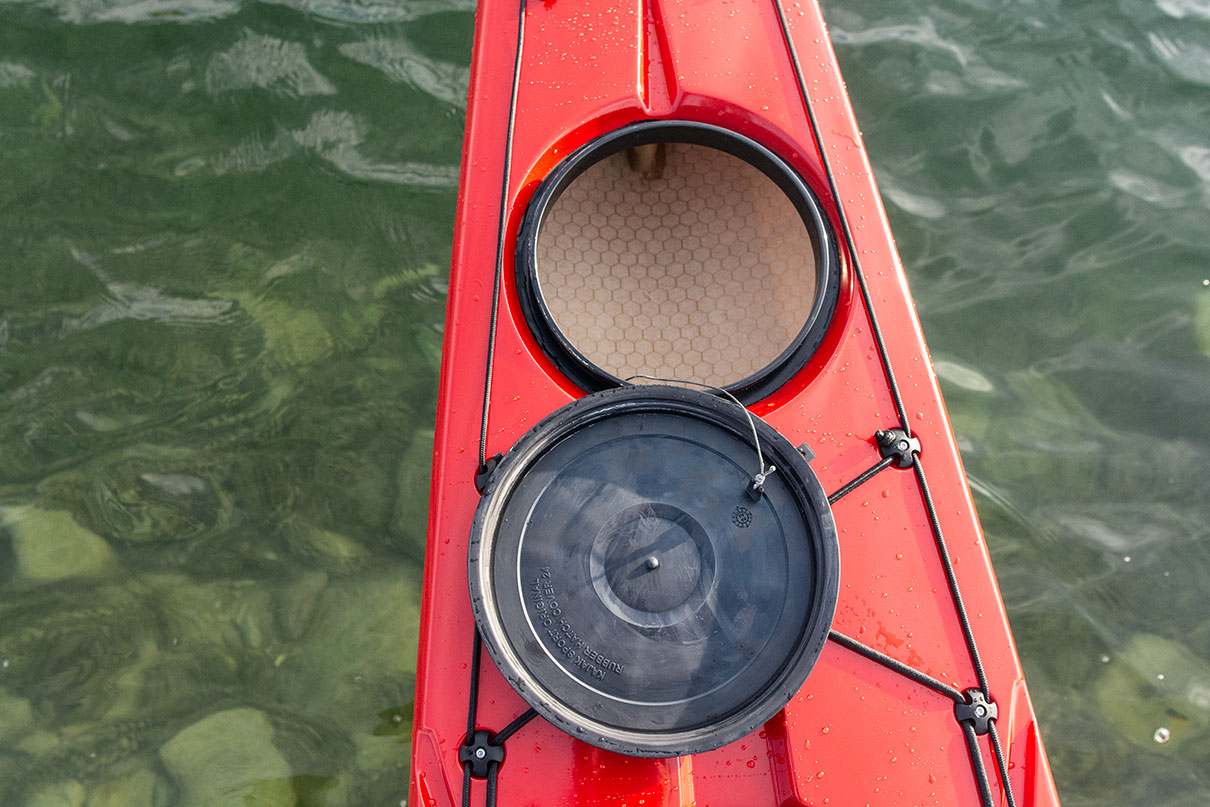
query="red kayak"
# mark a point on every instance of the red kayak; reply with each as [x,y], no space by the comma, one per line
[699,533]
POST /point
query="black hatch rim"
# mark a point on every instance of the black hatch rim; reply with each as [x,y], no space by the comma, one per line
[591,377]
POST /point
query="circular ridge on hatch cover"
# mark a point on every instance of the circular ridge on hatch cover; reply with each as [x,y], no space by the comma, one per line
[632,591]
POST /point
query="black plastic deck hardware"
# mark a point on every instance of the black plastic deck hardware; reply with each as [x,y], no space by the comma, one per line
[481,753]
[978,711]
[484,474]
[897,444]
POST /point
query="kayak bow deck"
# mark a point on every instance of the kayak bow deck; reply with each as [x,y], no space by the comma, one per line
[644,195]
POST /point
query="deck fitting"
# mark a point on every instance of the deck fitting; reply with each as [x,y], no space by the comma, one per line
[898,445]
[480,753]
[978,711]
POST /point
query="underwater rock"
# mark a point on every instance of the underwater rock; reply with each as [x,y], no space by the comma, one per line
[60,794]
[370,623]
[49,545]
[77,651]
[16,717]
[294,336]
[302,791]
[136,790]
[334,550]
[126,685]
[1157,694]
[360,649]
[228,759]
[1035,436]
[147,493]
[296,604]
[322,791]
[381,769]
[220,616]
[395,722]
[215,637]
[39,743]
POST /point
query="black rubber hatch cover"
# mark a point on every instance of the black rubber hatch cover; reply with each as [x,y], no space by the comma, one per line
[629,586]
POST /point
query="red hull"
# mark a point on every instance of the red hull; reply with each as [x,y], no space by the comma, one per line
[857,732]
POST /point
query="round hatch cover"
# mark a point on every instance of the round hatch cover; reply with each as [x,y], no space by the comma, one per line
[632,589]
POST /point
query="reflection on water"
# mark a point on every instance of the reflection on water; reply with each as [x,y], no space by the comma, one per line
[225,226]
[1044,168]
[219,337]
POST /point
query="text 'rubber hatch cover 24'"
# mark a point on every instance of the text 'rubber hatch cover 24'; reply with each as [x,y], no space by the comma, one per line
[632,588]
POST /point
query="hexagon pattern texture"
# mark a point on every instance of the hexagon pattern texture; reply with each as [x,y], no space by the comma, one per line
[705,274]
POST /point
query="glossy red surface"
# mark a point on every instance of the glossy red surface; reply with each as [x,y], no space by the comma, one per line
[856,733]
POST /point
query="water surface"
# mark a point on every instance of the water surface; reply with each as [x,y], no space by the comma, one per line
[1046,169]
[226,229]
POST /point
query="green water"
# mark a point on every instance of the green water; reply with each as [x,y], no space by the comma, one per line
[224,231]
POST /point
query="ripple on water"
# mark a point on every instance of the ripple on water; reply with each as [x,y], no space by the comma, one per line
[1181,9]
[1188,59]
[14,74]
[1148,189]
[401,62]
[125,11]
[256,60]
[376,11]
[214,359]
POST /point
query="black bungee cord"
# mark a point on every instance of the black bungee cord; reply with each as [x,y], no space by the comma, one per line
[482,752]
[501,229]
[909,457]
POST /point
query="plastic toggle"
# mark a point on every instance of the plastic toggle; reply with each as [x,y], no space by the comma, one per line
[897,444]
[480,753]
[977,710]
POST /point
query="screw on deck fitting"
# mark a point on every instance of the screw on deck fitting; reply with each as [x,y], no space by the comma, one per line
[896,444]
